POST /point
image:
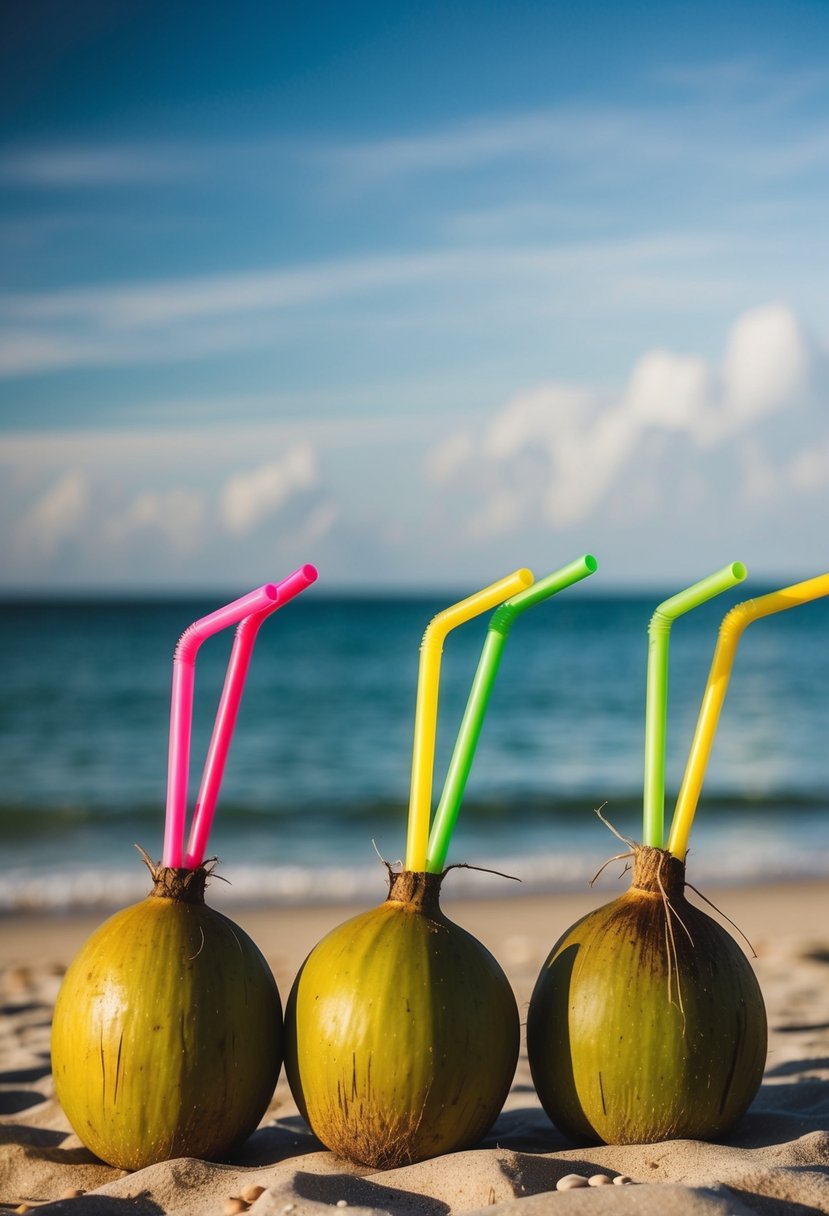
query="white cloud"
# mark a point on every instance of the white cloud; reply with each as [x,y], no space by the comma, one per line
[59,515]
[321,520]
[123,514]
[767,362]
[249,497]
[671,391]
[558,452]
[178,515]
[685,450]
[559,448]
[808,472]
[452,454]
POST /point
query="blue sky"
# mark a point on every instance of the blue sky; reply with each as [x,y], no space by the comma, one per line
[421,293]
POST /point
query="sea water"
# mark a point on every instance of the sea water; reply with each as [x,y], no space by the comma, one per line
[316,786]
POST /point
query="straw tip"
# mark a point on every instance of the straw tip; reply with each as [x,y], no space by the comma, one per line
[739,571]
[309,572]
[525,576]
[590,562]
[271,591]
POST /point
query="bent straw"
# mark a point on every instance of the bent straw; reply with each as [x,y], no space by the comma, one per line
[656,694]
[181,710]
[460,764]
[217,751]
[426,705]
[733,625]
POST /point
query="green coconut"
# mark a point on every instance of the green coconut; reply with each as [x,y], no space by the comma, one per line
[167,1031]
[401,1032]
[647,1022]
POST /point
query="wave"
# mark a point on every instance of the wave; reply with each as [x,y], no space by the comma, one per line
[19,820]
[105,888]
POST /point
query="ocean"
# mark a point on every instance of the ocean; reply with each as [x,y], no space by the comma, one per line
[317,782]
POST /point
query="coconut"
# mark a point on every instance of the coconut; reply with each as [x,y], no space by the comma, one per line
[401,1032]
[647,1022]
[167,1031]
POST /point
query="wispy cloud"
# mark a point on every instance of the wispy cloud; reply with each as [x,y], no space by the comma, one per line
[204,450]
[143,305]
[739,92]
[596,142]
[139,163]
[744,80]
[122,164]
[462,146]
[553,210]
[185,318]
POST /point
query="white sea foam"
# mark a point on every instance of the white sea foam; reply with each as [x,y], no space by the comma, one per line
[60,890]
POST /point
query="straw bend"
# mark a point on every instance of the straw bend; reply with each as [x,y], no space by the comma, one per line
[732,627]
[692,597]
[503,618]
[426,705]
[500,624]
[656,696]
[229,702]
[259,602]
[264,598]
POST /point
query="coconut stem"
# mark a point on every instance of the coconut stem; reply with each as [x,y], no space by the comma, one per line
[171,882]
[418,889]
[658,871]
[186,886]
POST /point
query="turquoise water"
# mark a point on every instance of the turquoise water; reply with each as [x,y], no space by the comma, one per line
[318,775]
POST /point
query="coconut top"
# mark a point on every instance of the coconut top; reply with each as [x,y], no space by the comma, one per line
[658,871]
[418,889]
[171,883]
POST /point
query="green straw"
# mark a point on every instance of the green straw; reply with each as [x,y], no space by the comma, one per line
[656,695]
[501,621]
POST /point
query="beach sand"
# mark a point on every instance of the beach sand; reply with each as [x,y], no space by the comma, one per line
[776,1161]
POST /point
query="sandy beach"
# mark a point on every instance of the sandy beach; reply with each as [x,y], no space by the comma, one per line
[776,1161]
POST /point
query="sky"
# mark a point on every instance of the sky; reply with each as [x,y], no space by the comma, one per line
[420,293]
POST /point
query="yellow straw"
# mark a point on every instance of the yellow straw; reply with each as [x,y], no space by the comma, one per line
[733,625]
[426,705]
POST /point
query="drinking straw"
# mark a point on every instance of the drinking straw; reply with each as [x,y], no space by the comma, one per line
[460,764]
[181,710]
[656,695]
[426,705]
[237,669]
[732,628]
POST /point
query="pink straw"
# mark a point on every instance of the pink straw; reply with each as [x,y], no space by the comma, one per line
[181,709]
[229,702]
